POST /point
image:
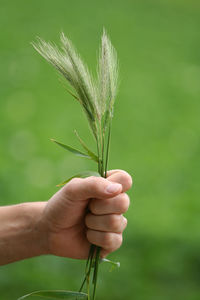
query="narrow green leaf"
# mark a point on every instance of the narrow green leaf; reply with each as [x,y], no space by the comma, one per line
[48,294]
[80,175]
[68,90]
[89,152]
[114,264]
[70,149]
[73,95]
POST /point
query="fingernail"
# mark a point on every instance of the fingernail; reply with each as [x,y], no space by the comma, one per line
[113,188]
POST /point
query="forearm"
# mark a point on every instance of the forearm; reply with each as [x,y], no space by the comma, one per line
[20,235]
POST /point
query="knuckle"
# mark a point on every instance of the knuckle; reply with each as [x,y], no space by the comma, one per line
[114,242]
[108,241]
[118,241]
[115,222]
[74,181]
[124,202]
[93,181]
[129,181]
[126,179]
[70,187]
[125,222]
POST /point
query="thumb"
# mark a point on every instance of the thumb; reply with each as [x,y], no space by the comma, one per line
[91,187]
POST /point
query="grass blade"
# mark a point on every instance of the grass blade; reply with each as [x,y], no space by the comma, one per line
[80,175]
[89,152]
[48,294]
[70,149]
[73,95]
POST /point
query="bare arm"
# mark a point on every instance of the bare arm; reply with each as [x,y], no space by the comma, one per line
[20,236]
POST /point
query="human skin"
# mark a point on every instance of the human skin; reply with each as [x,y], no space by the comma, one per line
[84,211]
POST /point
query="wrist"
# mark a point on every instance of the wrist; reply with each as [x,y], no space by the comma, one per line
[34,231]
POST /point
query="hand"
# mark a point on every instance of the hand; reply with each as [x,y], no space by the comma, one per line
[87,211]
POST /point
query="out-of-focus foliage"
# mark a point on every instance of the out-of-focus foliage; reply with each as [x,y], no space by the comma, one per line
[155,137]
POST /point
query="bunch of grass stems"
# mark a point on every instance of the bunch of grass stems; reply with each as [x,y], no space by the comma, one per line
[96,96]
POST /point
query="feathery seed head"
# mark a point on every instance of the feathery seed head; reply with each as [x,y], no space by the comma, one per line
[96,97]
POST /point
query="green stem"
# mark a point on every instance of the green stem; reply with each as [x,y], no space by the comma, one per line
[88,263]
[96,271]
[89,270]
[99,156]
[107,149]
[94,253]
[88,290]
[101,147]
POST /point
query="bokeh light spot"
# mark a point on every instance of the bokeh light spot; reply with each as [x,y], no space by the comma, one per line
[20,107]
[40,172]
[22,145]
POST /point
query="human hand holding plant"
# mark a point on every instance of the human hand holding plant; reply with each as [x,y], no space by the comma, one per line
[58,226]
[70,228]
[96,97]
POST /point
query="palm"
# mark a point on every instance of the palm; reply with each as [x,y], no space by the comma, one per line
[67,230]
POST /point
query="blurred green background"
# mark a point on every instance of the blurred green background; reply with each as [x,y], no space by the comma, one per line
[155,137]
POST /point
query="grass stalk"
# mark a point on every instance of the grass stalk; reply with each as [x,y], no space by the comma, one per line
[107,149]
[95,274]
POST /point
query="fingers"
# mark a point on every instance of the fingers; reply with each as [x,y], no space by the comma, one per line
[121,177]
[118,205]
[107,223]
[98,187]
[108,241]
